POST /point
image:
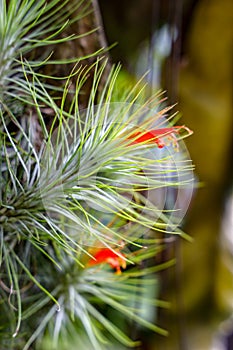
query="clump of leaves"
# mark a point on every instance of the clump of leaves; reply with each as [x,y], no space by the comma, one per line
[84,184]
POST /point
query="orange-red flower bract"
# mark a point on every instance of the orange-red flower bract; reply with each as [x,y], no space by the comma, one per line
[158,136]
[105,255]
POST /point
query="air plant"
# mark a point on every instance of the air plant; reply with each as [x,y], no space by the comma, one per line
[84,210]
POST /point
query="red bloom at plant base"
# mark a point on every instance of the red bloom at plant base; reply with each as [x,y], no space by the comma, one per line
[105,255]
[161,137]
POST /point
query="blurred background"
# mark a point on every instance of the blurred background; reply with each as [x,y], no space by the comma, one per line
[187,48]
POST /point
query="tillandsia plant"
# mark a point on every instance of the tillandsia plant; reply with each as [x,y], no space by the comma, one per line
[84,210]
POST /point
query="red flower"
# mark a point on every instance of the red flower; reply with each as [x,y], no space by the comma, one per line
[160,137]
[107,256]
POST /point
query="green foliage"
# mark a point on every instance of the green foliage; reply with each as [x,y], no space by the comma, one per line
[30,30]
[72,187]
